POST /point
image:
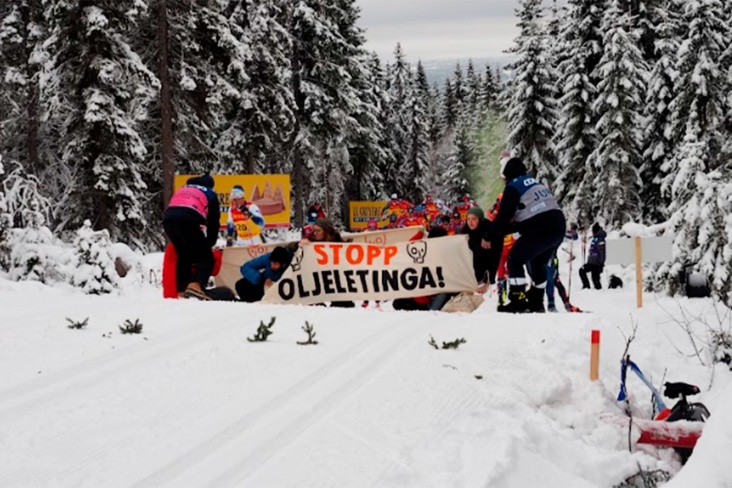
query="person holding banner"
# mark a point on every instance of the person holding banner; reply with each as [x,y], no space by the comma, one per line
[324,231]
[262,272]
[485,261]
[529,208]
[192,207]
[245,222]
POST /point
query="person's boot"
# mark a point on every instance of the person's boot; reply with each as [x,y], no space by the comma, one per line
[194,290]
[517,302]
[551,307]
[535,299]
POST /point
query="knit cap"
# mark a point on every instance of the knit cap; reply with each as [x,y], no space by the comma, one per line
[477,211]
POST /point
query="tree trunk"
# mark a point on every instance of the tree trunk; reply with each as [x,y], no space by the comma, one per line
[166,105]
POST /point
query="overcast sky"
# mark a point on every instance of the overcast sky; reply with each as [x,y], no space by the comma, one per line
[439,29]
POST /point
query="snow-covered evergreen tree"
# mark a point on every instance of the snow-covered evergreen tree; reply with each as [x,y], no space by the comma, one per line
[700,87]
[418,168]
[531,102]
[489,92]
[104,87]
[33,248]
[697,178]
[400,120]
[450,106]
[325,41]
[700,220]
[576,136]
[22,54]
[474,89]
[657,142]
[368,147]
[455,178]
[259,99]
[94,273]
[619,106]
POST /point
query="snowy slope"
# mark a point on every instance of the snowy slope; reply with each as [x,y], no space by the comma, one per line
[191,403]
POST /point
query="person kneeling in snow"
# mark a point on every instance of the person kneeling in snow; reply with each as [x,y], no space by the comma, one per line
[261,273]
[193,206]
[529,208]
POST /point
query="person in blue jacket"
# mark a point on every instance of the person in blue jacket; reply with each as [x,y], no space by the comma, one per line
[527,207]
[262,272]
[192,207]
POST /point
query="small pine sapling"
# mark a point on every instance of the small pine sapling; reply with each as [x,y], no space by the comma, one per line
[130,327]
[77,325]
[446,345]
[454,344]
[263,332]
[310,331]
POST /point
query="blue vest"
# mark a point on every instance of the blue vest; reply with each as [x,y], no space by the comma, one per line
[534,198]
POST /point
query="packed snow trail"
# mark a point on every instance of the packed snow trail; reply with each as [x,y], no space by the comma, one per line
[189,402]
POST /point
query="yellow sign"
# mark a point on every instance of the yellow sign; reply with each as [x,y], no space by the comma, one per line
[271,193]
[362,212]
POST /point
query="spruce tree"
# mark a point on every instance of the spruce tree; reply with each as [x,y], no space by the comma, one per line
[259,102]
[418,166]
[697,178]
[619,107]
[94,272]
[104,87]
[400,121]
[22,54]
[576,136]
[531,100]
[323,46]
[658,144]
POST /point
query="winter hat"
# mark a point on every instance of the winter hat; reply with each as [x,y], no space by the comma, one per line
[207,180]
[203,180]
[280,255]
[237,192]
[596,228]
[394,196]
[477,211]
[514,168]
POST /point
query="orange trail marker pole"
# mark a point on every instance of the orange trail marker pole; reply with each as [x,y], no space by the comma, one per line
[595,356]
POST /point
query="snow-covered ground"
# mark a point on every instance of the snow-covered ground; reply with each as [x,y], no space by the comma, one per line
[191,403]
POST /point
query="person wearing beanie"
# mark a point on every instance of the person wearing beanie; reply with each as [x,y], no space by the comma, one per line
[485,261]
[529,208]
[245,221]
[193,206]
[595,259]
[262,272]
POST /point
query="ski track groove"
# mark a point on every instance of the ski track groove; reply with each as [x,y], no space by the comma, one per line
[349,385]
[28,397]
[200,453]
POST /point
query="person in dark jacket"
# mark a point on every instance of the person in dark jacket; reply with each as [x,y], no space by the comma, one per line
[193,206]
[595,260]
[529,208]
[315,212]
[485,261]
[262,272]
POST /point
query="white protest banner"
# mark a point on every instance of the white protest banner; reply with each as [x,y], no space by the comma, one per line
[234,257]
[324,272]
